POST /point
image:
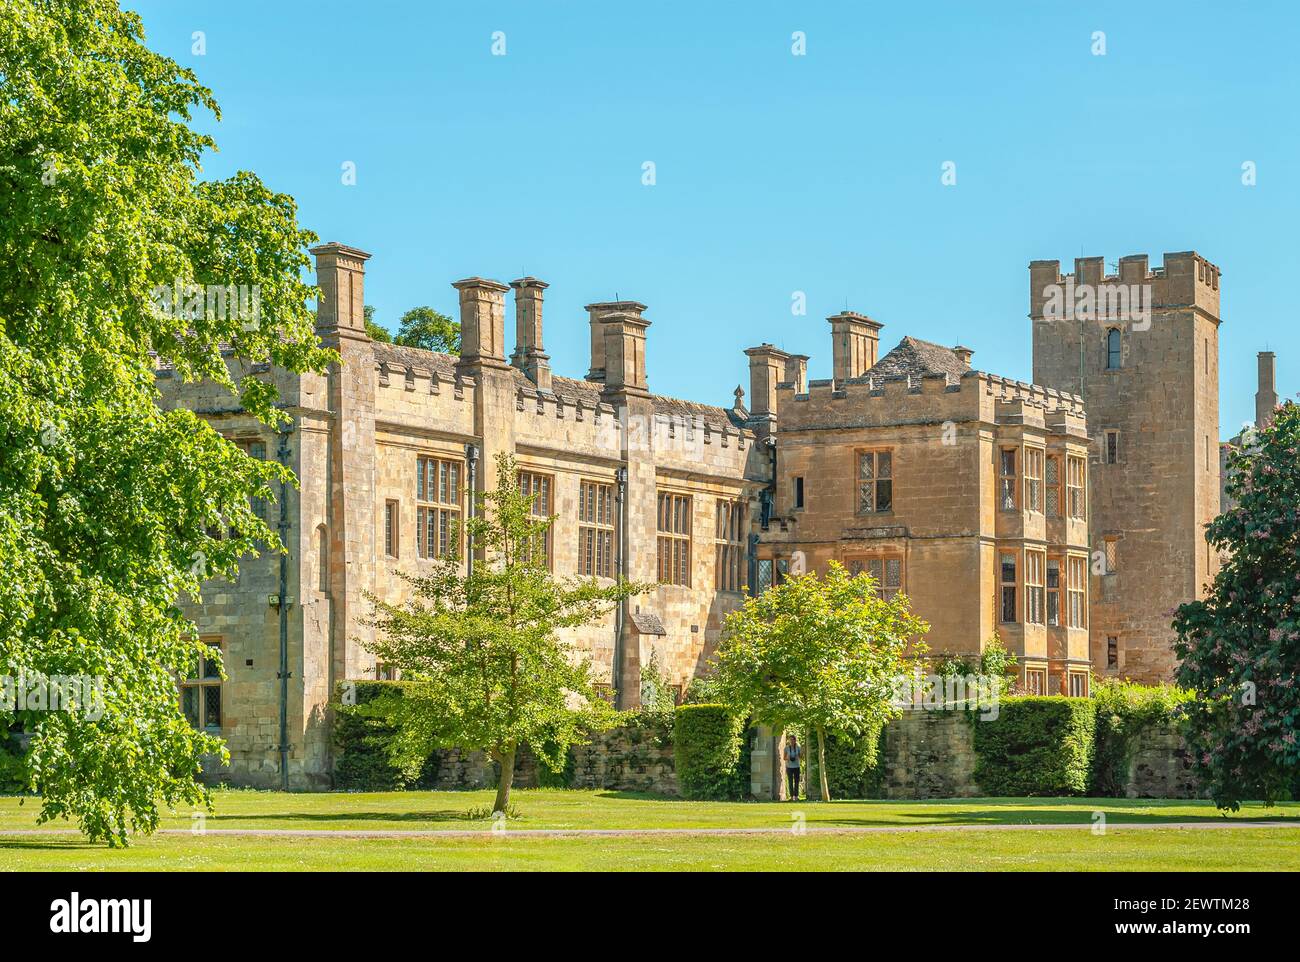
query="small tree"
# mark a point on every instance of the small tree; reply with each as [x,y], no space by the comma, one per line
[484,643]
[1240,646]
[373,328]
[825,653]
[424,327]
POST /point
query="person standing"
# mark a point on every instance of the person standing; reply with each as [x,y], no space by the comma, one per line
[793,754]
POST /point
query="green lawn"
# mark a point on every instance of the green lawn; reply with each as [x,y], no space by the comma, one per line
[1221,848]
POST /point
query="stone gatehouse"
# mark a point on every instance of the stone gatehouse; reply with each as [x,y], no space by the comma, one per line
[988,501]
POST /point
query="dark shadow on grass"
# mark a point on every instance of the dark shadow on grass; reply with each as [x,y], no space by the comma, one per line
[30,843]
[441,815]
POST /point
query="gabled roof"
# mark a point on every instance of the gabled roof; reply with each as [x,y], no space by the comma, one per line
[916,358]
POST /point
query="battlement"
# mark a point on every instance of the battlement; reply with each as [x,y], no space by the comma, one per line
[430,380]
[877,400]
[1185,280]
[561,405]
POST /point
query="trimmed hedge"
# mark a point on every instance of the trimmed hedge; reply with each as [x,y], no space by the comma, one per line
[1124,711]
[1036,746]
[361,739]
[707,752]
[853,765]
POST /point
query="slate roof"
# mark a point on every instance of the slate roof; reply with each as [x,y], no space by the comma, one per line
[918,358]
[399,357]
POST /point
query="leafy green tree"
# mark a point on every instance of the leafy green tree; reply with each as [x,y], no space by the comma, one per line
[483,642]
[376,332]
[108,504]
[424,327]
[1239,648]
[821,653]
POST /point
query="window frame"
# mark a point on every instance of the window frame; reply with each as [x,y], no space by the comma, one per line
[1008,484]
[436,516]
[1034,467]
[1035,577]
[1076,591]
[1012,586]
[1076,493]
[731,570]
[541,484]
[1036,681]
[673,553]
[1055,592]
[1114,349]
[1052,465]
[201,684]
[874,481]
[597,534]
[878,566]
[392,529]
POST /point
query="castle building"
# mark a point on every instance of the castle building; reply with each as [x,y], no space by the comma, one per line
[1148,375]
[965,490]
[981,497]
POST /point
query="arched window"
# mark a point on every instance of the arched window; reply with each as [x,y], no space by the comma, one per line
[1112,349]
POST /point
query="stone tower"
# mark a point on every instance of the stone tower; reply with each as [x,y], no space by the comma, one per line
[1141,347]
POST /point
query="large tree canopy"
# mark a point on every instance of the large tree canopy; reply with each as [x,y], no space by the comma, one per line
[823,652]
[106,502]
[1240,646]
[484,641]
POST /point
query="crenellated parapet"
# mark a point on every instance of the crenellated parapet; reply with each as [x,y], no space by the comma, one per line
[874,400]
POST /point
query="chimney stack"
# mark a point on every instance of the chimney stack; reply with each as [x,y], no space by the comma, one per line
[1266,396]
[964,354]
[855,344]
[529,356]
[767,368]
[624,372]
[341,276]
[597,314]
[796,373]
[482,322]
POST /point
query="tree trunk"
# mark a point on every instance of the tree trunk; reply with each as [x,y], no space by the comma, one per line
[505,780]
[821,764]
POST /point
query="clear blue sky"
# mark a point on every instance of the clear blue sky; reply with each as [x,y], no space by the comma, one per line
[775,173]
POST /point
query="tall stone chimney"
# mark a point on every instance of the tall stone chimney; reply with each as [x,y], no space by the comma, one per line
[341,276]
[796,373]
[1266,396]
[347,570]
[964,354]
[766,370]
[625,353]
[529,355]
[855,344]
[597,313]
[482,323]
